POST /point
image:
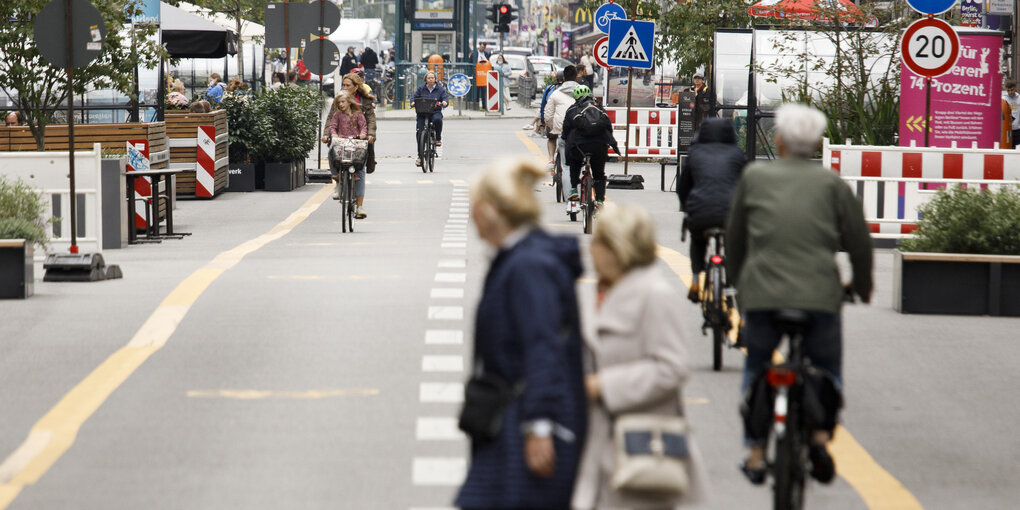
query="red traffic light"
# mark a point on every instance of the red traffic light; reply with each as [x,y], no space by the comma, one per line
[503,9]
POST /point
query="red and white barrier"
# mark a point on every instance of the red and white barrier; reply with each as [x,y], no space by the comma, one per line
[495,94]
[893,182]
[205,162]
[138,160]
[653,131]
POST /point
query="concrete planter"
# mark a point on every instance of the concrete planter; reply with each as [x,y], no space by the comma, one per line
[279,176]
[956,284]
[241,177]
[17,270]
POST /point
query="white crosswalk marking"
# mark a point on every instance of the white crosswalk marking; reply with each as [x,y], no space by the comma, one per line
[438,429]
[451,363]
[441,471]
[446,312]
[444,337]
[451,277]
[446,293]
[452,263]
[445,393]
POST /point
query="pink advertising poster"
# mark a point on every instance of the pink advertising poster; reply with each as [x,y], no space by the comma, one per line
[966,102]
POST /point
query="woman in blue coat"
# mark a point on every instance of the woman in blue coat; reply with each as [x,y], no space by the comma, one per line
[527,330]
[434,90]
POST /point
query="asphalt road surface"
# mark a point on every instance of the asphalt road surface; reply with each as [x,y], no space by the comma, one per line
[268,361]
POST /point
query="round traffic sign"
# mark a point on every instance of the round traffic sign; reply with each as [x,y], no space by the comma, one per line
[931,6]
[321,56]
[930,47]
[606,13]
[459,85]
[601,51]
[87,26]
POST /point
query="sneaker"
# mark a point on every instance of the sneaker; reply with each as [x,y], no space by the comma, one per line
[822,467]
[754,475]
[439,143]
[573,194]
[417,162]
[694,294]
[336,193]
[528,127]
[360,213]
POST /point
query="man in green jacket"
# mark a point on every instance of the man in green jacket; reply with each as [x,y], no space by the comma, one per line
[788,219]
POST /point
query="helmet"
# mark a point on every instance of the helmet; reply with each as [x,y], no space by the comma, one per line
[581,91]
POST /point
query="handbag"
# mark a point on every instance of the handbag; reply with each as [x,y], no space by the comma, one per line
[651,454]
[349,151]
[486,397]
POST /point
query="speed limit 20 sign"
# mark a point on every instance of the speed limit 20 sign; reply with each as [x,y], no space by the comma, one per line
[930,47]
[601,51]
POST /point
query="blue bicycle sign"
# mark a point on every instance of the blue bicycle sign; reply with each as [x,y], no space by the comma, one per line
[459,85]
[607,13]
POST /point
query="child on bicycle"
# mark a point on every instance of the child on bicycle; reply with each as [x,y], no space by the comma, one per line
[432,89]
[349,122]
[585,136]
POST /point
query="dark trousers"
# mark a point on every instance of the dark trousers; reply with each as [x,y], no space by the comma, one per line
[1016,138]
[599,155]
[437,123]
[699,245]
[822,344]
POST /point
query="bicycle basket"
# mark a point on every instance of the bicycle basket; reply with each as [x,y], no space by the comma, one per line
[424,106]
[350,151]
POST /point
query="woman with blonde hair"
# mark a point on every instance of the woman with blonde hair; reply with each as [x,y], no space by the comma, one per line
[349,122]
[527,335]
[640,363]
[354,84]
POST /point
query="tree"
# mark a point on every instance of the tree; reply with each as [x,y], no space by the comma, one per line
[39,88]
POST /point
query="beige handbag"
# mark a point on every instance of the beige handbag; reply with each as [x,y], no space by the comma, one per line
[651,454]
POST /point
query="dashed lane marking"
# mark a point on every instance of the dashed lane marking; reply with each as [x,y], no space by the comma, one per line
[453,263]
[439,471]
[453,245]
[451,277]
[444,337]
[437,428]
[445,393]
[435,363]
[446,293]
[453,313]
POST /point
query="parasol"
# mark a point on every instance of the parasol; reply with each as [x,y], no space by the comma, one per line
[806,9]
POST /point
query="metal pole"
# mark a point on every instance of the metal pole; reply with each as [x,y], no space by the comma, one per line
[286,32]
[70,122]
[322,51]
[927,109]
[626,139]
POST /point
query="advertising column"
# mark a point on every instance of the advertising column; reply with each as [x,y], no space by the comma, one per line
[966,102]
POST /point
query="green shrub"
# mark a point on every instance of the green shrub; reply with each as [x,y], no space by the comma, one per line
[290,117]
[969,220]
[21,212]
[247,126]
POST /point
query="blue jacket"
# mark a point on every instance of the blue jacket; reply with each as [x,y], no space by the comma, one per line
[438,93]
[549,89]
[527,328]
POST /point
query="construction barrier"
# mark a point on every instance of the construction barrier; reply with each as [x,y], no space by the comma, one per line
[893,182]
[653,131]
[47,173]
[494,92]
[138,161]
[199,146]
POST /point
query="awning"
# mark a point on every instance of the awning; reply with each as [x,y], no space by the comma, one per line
[186,35]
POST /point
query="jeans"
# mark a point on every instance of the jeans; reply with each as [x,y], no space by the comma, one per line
[437,124]
[599,155]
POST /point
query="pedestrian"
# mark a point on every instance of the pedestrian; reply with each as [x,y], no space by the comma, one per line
[789,218]
[370,61]
[479,54]
[588,61]
[704,100]
[278,79]
[527,334]
[640,362]
[349,62]
[214,92]
[13,119]
[1013,98]
[201,106]
[505,71]
[482,69]
[710,173]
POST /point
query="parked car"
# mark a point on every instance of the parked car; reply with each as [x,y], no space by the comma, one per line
[514,50]
[520,70]
[544,66]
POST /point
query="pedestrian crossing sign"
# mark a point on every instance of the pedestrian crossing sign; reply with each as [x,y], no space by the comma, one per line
[631,43]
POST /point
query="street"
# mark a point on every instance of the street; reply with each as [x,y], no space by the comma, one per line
[270,362]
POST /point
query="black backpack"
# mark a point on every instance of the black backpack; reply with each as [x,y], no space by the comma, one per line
[591,119]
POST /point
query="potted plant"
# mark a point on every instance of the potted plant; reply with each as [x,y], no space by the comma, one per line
[965,255]
[246,132]
[21,228]
[290,116]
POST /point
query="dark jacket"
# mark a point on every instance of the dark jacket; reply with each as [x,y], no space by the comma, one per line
[438,93]
[527,328]
[369,59]
[710,173]
[348,64]
[574,137]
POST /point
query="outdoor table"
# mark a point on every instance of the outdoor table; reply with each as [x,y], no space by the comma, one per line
[152,226]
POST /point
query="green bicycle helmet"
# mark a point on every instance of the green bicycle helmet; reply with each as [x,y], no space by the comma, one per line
[581,91]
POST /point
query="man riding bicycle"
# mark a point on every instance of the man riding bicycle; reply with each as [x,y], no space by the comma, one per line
[587,131]
[555,110]
[789,218]
[710,174]
[434,90]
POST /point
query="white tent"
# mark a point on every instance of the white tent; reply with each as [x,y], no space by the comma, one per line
[249,29]
[359,32]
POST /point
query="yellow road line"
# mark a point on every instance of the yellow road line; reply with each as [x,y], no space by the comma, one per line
[290,395]
[532,146]
[328,277]
[55,432]
[879,489]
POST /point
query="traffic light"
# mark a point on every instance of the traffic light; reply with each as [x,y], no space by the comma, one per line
[494,16]
[506,16]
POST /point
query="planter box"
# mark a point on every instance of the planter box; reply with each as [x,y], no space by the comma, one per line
[241,178]
[956,284]
[17,270]
[279,176]
[182,131]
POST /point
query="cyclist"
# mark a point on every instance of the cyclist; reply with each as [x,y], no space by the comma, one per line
[555,109]
[349,122]
[354,84]
[583,137]
[789,218]
[710,174]
[432,89]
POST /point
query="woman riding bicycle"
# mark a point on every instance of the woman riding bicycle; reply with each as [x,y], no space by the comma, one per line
[581,140]
[348,122]
[710,174]
[354,84]
[437,92]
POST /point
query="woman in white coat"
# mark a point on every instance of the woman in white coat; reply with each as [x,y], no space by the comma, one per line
[640,356]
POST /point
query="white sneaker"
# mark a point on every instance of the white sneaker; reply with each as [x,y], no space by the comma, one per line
[528,126]
[359,214]
[336,195]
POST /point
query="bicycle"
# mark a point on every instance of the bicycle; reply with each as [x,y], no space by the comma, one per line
[428,134]
[716,295]
[584,204]
[558,174]
[345,189]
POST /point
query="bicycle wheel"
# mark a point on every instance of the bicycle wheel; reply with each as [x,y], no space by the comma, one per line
[717,317]
[423,153]
[432,150]
[558,178]
[341,185]
[589,207]
[788,489]
[352,202]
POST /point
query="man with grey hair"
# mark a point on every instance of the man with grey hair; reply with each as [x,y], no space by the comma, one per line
[788,219]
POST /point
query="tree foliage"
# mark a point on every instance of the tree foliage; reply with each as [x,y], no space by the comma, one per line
[40,88]
[21,212]
[969,220]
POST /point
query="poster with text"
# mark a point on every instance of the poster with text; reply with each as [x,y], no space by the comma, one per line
[965,102]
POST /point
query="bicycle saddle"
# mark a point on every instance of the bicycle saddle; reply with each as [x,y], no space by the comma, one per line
[714,231]
[792,321]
